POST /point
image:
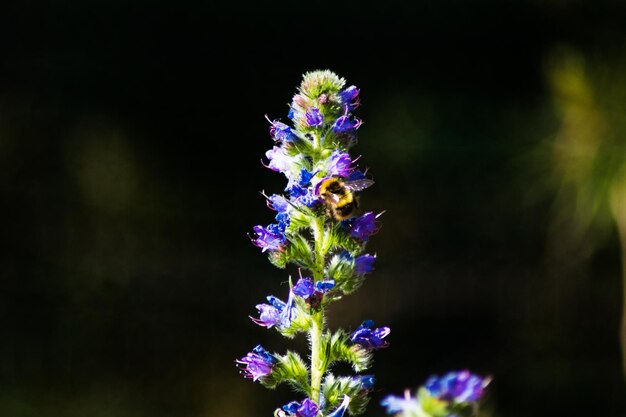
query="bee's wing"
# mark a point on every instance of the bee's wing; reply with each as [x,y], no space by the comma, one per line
[358,185]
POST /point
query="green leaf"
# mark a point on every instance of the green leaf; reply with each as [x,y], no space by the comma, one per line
[290,369]
[338,347]
[335,388]
[302,145]
[342,271]
[339,238]
[299,218]
[297,251]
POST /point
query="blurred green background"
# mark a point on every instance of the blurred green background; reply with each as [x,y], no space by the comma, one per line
[131,139]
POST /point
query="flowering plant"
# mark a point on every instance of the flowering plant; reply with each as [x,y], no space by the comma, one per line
[320,229]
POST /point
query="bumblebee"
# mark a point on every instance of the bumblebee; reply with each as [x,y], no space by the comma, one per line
[339,196]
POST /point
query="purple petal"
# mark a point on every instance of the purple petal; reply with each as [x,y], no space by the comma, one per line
[340,164]
[304,288]
[307,409]
[364,264]
[314,118]
[268,317]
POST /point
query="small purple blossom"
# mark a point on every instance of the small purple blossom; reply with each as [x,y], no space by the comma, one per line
[279,161]
[278,203]
[307,408]
[346,124]
[291,407]
[305,177]
[281,132]
[276,313]
[364,226]
[314,118]
[340,164]
[268,238]
[325,285]
[288,313]
[313,293]
[296,191]
[283,220]
[268,315]
[370,338]
[406,404]
[304,288]
[349,97]
[257,364]
[364,264]
[309,199]
[300,188]
[461,386]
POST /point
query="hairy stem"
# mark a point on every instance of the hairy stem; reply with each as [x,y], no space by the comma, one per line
[317,326]
[317,370]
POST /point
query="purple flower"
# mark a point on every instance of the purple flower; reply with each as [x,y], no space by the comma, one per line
[304,288]
[364,264]
[313,293]
[268,315]
[307,408]
[296,191]
[314,118]
[283,222]
[268,238]
[340,164]
[339,411]
[345,124]
[309,199]
[277,312]
[278,203]
[364,226]
[406,404]
[288,313]
[349,97]
[257,364]
[459,386]
[299,188]
[292,407]
[370,338]
[281,132]
[325,286]
[279,160]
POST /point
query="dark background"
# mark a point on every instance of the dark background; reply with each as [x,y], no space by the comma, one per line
[131,139]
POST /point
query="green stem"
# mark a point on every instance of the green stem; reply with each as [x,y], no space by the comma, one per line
[317,318]
[317,370]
